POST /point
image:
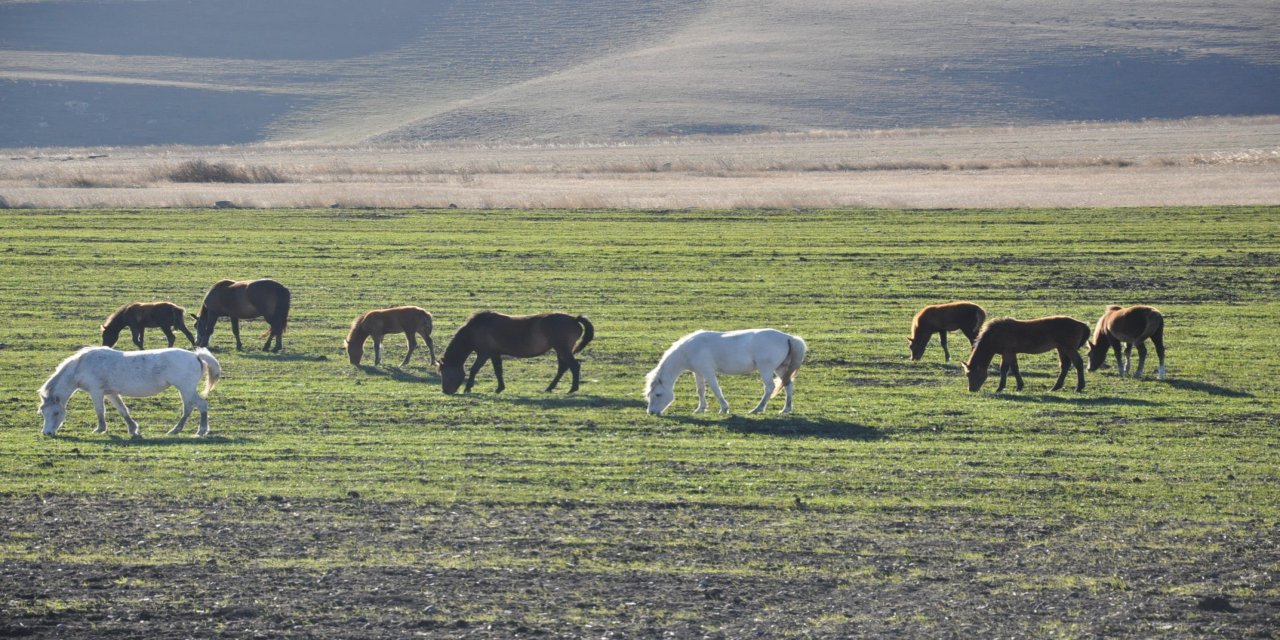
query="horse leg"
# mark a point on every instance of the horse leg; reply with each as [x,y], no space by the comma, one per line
[561,366]
[1128,357]
[766,376]
[471,379]
[1079,363]
[1004,372]
[168,334]
[1064,366]
[188,403]
[715,388]
[431,347]
[702,392]
[183,328]
[786,408]
[1017,373]
[497,371]
[413,344]
[1158,341]
[118,402]
[942,337]
[575,369]
[235,330]
[102,414]
[1115,348]
[377,349]
[1142,359]
[203,406]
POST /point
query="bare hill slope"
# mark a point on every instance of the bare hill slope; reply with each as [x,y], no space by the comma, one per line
[77,72]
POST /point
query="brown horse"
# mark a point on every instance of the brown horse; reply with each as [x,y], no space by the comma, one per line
[241,301]
[380,322]
[1009,337]
[493,335]
[138,316]
[941,318]
[1132,326]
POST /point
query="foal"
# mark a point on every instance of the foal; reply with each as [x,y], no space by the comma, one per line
[941,318]
[379,322]
[1132,326]
[138,316]
[1009,337]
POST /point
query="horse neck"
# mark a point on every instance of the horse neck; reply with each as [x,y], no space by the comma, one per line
[62,382]
[459,348]
[358,333]
[982,353]
[671,366]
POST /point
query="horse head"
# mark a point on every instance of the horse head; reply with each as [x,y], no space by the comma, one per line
[917,348]
[1097,355]
[658,394]
[204,326]
[450,377]
[977,375]
[53,412]
[110,336]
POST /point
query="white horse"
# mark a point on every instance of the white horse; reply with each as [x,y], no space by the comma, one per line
[103,372]
[776,355]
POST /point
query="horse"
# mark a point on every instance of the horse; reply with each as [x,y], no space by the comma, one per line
[241,301]
[379,322]
[1132,326]
[776,355]
[940,319]
[1009,337]
[493,335]
[103,372]
[137,316]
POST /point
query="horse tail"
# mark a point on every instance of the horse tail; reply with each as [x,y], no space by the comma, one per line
[281,316]
[588,332]
[210,365]
[796,350]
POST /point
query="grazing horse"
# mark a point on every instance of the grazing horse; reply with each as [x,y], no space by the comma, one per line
[1132,326]
[379,322]
[940,319]
[137,316]
[103,372]
[241,301]
[493,335]
[1009,337]
[776,355]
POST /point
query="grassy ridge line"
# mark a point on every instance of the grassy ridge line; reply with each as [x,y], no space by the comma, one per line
[874,433]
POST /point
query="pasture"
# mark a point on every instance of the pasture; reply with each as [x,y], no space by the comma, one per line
[332,500]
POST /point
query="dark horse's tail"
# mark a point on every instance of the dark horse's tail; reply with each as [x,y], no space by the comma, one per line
[281,316]
[588,332]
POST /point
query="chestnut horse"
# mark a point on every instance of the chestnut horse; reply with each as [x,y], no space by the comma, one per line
[941,318]
[493,335]
[241,301]
[380,322]
[1009,337]
[1132,326]
[137,316]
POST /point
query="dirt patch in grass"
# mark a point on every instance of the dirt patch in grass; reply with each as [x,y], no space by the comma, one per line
[102,567]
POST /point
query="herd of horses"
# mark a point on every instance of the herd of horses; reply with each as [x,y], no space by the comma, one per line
[108,375]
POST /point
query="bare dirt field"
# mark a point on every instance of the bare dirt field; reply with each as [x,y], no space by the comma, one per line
[1199,161]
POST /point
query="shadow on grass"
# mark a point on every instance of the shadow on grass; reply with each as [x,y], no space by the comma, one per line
[161,440]
[287,356]
[575,401]
[1205,387]
[1070,397]
[396,373]
[787,427]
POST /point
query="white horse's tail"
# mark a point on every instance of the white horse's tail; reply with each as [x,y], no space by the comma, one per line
[210,365]
[796,349]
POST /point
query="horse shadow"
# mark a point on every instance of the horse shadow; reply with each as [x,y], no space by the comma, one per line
[286,356]
[788,426]
[1079,400]
[398,374]
[1206,387]
[575,401]
[162,440]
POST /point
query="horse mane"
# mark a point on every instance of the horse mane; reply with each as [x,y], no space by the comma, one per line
[62,369]
[355,327]
[990,324]
[117,315]
[653,374]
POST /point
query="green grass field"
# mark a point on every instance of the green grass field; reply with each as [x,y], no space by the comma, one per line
[336,501]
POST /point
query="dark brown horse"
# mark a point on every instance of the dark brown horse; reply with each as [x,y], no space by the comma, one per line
[940,319]
[493,335]
[138,316]
[1132,326]
[380,322]
[241,301]
[1009,337]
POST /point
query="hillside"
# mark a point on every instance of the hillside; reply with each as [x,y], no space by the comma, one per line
[120,72]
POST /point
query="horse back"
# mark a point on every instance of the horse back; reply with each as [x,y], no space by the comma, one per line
[1134,324]
[1033,336]
[951,316]
[523,336]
